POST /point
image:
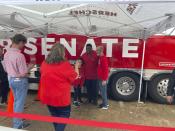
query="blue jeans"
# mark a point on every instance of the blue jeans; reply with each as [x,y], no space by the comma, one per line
[19,87]
[103,92]
[77,93]
[60,112]
[92,90]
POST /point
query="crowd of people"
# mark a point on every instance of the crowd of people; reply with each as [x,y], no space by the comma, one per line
[58,76]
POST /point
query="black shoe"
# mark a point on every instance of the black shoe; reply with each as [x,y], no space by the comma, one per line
[76,103]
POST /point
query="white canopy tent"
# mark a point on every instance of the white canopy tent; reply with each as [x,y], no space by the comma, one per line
[136,18]
[127,18]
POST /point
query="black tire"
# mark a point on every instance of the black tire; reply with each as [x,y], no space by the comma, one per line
[153,88]
[117,95]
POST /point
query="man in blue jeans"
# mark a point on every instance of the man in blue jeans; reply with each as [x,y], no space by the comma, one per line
[17,70]
[103,72]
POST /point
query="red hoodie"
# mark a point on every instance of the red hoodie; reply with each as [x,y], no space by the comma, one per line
[90,65]
[80,81]
[103,69]
[55,84]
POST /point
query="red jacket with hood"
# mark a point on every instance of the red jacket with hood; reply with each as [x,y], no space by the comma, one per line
[103,68]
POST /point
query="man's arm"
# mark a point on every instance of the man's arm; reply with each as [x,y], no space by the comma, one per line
[22,66]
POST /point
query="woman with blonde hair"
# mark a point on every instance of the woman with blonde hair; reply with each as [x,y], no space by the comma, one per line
[57,76]
[103,72]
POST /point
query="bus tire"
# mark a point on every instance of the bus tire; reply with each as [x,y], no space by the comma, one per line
[125,86]
[158,88]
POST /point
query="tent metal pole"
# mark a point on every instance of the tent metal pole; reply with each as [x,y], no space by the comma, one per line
[29,22]
[141,73]
[45,36]
[69,29]
[45,41]
[124,25]
[162,25]
[31,28]
[142,67]
[65,9]
[144,2]
[82,26]
[25,9]
[172,31]
[128,16]
[15,2]
[42,25]
[71,18]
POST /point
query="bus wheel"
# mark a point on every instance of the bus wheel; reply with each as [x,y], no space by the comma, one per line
[158,88]
[125,86]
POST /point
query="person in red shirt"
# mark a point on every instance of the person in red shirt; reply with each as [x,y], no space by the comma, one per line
[78,84]
[90,60]
[103,71]
[57,76]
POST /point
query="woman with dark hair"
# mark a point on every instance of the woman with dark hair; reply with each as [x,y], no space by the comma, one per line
[57,76]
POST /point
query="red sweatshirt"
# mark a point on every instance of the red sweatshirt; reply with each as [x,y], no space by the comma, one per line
[103,69]
[90,65]
[80,81]
[55,84]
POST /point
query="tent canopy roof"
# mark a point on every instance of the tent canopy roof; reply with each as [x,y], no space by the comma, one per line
[134,19]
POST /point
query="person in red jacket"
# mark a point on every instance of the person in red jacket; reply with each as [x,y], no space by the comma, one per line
[90,61]
[78,84]
[103,71]
[57,76]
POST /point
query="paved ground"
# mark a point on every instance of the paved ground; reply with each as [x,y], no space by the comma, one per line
[126,112]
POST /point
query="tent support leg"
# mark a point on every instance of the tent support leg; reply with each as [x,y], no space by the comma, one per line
[141,73]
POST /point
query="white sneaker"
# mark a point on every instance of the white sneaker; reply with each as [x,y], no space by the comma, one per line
[104,108]
[3,104]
